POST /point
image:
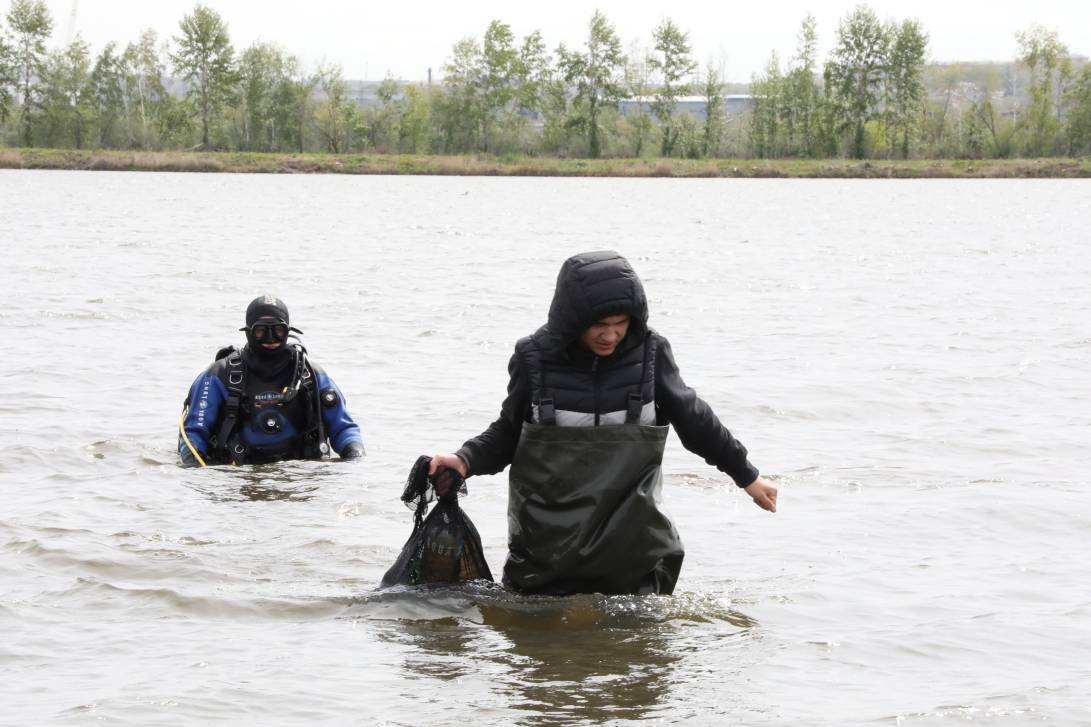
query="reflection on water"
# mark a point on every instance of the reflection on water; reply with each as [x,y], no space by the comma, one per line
[441,648]
[589,674]
[295,481]
[554,660]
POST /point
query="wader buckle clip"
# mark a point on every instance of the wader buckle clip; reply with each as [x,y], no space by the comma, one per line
[546,413]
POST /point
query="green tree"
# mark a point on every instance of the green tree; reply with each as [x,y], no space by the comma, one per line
[489,88]
[1079,115]
[556,129]
[905,79]
[382,124]
[945,83]
[261,69]
[855,73]
[8,76]
[109,97]
[827,131]
[536,78]
[463,107]
[294,106]
[975,142]
[415,124]
[66,98]
[800,109]
[206,60]
[290,107]
[595,74]
[689,143]
[541,93]
[338,112]
[31,24]
[500,79]
[673,62]
[637,80]
[995,129]
[144,88]
[535,73]
[712,88]
[1046,57]
[768,95]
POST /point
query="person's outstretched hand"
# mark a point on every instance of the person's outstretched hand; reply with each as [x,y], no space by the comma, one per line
[439,471]
[763,494]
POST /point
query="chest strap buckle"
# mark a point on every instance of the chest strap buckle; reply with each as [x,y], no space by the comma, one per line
[546,413]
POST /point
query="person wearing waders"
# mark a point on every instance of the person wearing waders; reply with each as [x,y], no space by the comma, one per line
[590,397]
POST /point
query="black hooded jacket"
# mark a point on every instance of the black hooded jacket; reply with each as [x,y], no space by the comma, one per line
[553,362]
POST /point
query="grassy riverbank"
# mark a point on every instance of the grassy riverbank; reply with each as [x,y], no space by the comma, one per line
[234,162]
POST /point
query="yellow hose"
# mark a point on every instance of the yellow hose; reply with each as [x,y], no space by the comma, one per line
[182,431]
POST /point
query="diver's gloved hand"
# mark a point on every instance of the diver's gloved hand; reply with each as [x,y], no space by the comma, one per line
[188,460]
[353,450]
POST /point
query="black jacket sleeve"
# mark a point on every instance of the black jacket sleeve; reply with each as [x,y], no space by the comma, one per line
[494,449]
[697,425]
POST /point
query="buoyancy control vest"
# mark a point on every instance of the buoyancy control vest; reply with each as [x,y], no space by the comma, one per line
[268,420]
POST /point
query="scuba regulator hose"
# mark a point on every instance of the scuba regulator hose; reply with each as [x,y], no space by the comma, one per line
[185,438]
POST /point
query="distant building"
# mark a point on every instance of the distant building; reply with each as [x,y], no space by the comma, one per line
[366,93]
[737,103]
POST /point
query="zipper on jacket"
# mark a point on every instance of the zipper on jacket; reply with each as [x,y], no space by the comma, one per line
[595,388]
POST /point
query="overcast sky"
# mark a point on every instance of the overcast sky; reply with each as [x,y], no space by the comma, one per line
[403,39]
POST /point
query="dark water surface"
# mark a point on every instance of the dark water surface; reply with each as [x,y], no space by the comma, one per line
[909,361]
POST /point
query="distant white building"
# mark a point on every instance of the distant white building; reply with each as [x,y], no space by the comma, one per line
[366,94]
[737,103]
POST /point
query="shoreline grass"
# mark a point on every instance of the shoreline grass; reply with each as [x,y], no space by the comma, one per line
[484,165]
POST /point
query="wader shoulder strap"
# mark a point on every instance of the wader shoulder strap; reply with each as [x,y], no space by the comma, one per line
[539,394]
[647,379]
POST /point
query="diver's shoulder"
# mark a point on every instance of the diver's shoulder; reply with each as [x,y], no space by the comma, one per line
[223,363]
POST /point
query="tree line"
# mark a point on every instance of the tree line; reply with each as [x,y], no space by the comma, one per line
[875,96]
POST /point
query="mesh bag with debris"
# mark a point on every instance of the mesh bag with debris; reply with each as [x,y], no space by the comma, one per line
[444,546]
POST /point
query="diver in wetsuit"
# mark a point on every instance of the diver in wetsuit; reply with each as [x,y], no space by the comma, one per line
[583,427]
[267,402]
